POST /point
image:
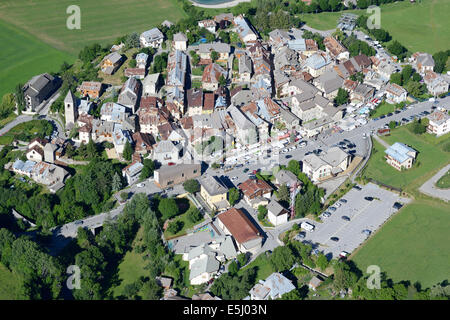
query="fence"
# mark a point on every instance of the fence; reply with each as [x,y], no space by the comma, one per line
[386,186]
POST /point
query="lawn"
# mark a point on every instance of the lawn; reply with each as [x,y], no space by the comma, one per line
[431,158]
[132,266]
[26,131]
[24,57]
[183,217]
[383,109]
[420,26]
[412,246]
[444,181]
[39,41]
[9,284]
[263,267]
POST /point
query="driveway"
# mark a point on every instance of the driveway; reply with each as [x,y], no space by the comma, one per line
[429,187]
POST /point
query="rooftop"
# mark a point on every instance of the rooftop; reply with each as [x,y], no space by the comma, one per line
[239,225]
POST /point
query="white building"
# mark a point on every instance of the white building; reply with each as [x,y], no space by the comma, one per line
[272,288]
[151,38]
[132,172]
[180,41]
[323,166]
[439,123]
[276,213]
[395,93]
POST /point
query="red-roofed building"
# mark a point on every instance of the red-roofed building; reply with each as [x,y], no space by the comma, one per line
[208,103]
[211,76]
[237,224]
[256,192]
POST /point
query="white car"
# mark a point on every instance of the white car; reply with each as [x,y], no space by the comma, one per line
[140,185]
[337,204]
[234,178]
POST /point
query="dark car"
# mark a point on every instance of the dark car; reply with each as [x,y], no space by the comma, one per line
[405,120]
[382,117]
[343,200]
[308,153]
[357,188]
[397,205]
[246,170]
[335,239]
[368,198]
[288,156]
[240,165]
[345,218]
[397,111]
[426,112]
[389,114]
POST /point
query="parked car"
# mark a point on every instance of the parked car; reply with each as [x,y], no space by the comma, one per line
[346,218]
[335,239]
[357,188]
[326,214]
[368,198]
[240,165]
[332,209]
[140,185]
[337,204]
[397,205]
[246,170]
[366,232]
[343,200]
[288,156]
[234,178]
[302,235]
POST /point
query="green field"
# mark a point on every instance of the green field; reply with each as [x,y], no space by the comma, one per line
[444,181]
[39,41]
[24,57]
[132,266]
[422,26]
[431,157]
[9,284]
[383,109]
[412,246]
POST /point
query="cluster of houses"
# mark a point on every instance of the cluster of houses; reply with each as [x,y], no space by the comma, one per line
[40,164]
[251,94]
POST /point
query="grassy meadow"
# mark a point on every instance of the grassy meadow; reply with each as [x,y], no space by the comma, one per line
[421,26]
[39,41]
[412,246]
[430,159]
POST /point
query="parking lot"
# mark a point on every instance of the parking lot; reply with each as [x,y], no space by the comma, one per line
[363,215]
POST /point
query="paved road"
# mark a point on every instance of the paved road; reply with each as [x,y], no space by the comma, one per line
[430,188]
[20,119]
[42,114]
